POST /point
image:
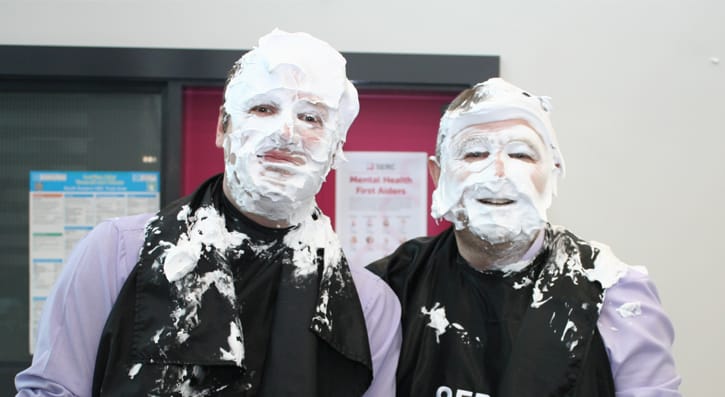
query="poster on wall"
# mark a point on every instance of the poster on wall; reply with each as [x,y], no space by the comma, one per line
[380,202]
[64,207]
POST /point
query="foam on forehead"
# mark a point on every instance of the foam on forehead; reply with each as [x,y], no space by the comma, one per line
[497,100]
[298,62]
[295,61]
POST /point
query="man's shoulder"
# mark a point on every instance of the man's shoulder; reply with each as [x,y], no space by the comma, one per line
[380,308]
[370,287]
[123,224]
[411,258]
[608,269]
[405,255]
[123,235]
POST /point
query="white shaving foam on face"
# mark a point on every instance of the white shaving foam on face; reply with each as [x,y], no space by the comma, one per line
[484,163]
[299,62]
[630,309]
[495,100]
[279,191]
[295,75]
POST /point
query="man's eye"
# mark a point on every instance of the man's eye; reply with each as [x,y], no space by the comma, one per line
[522,156]
[263,110]
[310,118]
[475,155]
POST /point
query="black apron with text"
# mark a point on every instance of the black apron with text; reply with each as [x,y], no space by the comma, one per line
[177,338]
[471,333]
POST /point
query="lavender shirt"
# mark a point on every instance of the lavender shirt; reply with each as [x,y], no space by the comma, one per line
[76,310]
[639,345]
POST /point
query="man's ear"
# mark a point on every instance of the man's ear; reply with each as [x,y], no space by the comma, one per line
[221,127]
[435,169]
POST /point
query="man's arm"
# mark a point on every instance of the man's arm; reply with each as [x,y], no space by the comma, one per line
[75,312]
[638,337]
[382,319]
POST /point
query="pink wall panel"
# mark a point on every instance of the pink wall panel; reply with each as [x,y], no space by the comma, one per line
[388,121]
[201,158]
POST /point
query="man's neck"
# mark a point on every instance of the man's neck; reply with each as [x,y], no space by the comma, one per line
[483,255]
[266,222]
[256,218]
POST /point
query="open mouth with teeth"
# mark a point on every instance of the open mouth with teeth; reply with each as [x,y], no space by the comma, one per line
[496,201]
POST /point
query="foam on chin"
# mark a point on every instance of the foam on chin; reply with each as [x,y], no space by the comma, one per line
[458,202]
[276,191]
[514,222]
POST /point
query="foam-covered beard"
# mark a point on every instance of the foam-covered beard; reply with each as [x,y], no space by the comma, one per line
[259,182]
[496,209]
[497,224]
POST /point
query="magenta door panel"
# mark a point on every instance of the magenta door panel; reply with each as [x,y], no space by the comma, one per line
[388,121]
[201,158]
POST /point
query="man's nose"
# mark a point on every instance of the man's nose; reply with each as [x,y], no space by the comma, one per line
[500,168]
[288,130]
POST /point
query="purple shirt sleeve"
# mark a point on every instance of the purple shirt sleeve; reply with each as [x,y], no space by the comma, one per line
[76,310]
[382,319]
[638,337]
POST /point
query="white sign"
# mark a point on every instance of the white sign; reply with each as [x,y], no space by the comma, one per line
[380,202]
[64,207]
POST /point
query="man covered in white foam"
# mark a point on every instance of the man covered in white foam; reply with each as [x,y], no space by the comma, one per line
[240,289]
[543,307]
[287,108]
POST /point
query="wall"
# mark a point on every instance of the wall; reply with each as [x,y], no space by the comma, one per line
[638,92]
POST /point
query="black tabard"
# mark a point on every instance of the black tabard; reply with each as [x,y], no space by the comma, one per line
[479,334]
[160,341]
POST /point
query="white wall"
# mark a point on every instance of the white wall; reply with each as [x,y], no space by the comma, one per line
[639,104]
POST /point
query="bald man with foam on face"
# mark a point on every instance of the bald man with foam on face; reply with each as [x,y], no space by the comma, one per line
[240,289]
[503,303]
